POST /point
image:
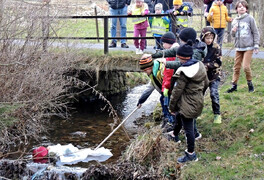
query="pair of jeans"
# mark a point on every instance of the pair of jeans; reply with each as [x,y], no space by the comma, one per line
[242,58]
[165,110]
[123,22]
[213,86]
[220,35]
[188,125]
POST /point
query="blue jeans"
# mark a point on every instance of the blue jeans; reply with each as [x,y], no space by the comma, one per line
[220,35]
[213,86]
[165,110]
[123,21]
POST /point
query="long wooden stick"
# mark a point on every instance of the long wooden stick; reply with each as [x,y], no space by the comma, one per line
[115,129]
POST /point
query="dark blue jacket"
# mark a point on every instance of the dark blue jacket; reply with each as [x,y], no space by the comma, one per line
[118,4]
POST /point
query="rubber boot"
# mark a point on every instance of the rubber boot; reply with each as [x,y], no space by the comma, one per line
[232,89]
[217,119]
[250,86]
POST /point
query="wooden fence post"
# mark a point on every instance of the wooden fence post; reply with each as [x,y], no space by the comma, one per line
[96,23]
[106,35]
[45,25]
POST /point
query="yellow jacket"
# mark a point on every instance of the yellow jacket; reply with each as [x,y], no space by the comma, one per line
[219,17]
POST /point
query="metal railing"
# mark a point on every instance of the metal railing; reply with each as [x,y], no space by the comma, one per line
[106,38]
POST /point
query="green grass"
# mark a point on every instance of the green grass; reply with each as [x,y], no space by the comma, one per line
[241,151]
[5,118]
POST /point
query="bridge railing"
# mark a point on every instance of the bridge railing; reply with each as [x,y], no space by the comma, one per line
[106,38]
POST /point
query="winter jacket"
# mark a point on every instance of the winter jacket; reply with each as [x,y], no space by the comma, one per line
[140,22]
[167,74]
[156,78]
[247,34]
[187,96]
[118,4]
[159,25]
[211,1]
[219,17]
[212,60]
[199,52]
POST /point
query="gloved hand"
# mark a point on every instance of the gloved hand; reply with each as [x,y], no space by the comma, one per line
[166,92]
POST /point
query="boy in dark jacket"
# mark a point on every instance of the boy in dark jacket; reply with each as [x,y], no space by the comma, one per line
[212,62]
[187,97]
[199,52]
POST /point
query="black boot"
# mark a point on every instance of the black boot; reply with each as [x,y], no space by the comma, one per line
[250,86]
[232,89]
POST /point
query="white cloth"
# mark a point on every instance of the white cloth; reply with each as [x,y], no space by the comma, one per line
[68,154]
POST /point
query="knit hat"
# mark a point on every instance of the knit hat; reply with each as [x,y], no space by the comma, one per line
[40,154]
[169,38]
[177,2]
[140,0]
[158,6]
[188,33]
[145,62]
[185,51]
[207,30]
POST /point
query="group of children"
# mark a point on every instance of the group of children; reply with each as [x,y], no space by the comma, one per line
[159,25]
[184,71]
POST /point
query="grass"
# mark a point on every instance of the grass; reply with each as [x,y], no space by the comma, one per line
[231,150]
[240,149]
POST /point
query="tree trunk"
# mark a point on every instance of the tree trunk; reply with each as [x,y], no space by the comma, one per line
[1,9]
[260,16]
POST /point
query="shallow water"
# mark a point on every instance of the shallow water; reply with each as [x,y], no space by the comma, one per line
[89,125]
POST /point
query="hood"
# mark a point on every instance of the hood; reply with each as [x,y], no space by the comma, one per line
[207,30]
[243,16]
[193,69]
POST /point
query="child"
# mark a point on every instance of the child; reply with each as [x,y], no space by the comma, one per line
[212,62]
[187,97]
[199,52]
[218,16]
[208,4]
[159,25]
[140,24]
[168,41]
[247,39]
[154,70]
[181,21]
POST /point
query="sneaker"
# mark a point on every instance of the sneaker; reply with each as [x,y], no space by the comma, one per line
[164,122]
[137,51]
[124,45]
[187,157]
[141,51]
[168,127]
[112,45]
[232,89]
[250,86]
[171,137]
[198,136]
[217,119]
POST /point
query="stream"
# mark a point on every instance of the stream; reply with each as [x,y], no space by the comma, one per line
[89,126]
